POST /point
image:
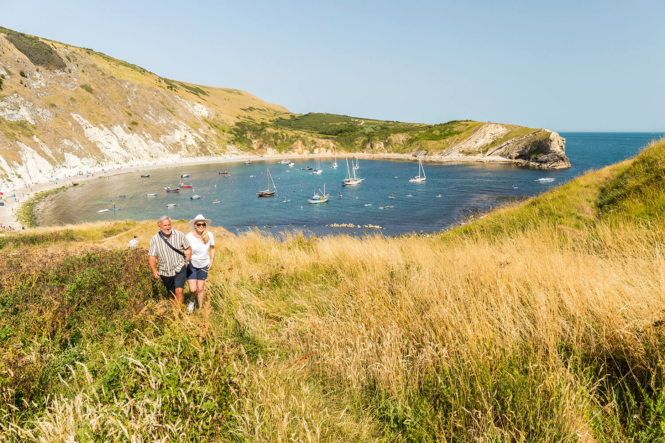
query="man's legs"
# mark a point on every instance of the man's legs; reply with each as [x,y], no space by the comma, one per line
[180,279]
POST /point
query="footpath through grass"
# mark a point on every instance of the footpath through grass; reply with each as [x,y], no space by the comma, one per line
[541,321]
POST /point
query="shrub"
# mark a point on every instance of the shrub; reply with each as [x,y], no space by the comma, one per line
[86,88]
[38,52]
[22,73]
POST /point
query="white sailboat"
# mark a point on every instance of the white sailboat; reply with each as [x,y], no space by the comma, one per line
[268,192]
[334,165]
[357,165]
[318,169]
[421,173]
[351,180]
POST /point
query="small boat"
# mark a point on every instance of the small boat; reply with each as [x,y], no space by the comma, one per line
[421,173]
[291,164]
[286,200]
[184,176]
[367,204]
[169,189]
[268,192]
[195,197]
[349,180]
[357,165]
[248,162]
[152,194]
[317,171]
[182,185]
[145,176]
[545,180]
[215,202]
[316,198]
[171,205]
[308,168]
[101,211]
[334,165]
[285,162]
[438,196]
[224,172]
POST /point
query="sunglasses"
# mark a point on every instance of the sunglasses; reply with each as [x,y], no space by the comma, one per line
[200,224]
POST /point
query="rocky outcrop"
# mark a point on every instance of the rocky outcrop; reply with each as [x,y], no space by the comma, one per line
[540,148]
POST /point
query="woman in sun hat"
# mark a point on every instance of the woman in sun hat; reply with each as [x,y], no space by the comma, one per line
[203,252]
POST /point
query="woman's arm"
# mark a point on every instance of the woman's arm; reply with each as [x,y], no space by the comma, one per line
[212,255]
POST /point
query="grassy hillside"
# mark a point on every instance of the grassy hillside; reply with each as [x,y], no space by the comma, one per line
[541,321]
[354,134]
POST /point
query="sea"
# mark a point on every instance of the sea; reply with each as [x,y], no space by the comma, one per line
[385,198]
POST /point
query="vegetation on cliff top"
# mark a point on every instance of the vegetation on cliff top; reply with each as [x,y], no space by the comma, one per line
[351,133]
[38,52]
[541,321]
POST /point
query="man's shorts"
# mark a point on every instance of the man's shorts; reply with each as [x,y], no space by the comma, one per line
[197,273]
[177,281]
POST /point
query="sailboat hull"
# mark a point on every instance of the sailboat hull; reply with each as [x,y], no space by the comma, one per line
[417,179]
[266,193]
[348,182]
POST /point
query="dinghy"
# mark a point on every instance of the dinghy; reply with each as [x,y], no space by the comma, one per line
[101,211]
[195,197]
[152,194]
[145,176]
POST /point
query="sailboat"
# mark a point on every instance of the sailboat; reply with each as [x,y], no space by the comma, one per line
[334,165]
[351,180]
[421,173]
[318,169]
[316,198]
[357,165]
[268,192]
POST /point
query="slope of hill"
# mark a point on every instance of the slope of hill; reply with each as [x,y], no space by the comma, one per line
[65,109]
[542,321]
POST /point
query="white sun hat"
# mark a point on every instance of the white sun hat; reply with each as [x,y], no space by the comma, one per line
[199,217]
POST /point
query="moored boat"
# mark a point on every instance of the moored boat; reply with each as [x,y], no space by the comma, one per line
[195,197]
[319,198]
[182,185]
[101,211]
[152,194]
[421,173]
[170,189]
[184,176]
[223,172]
[351,179]
[268,192]
[145,176]
[171,205]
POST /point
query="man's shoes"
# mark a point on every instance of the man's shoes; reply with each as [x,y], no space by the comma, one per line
[190,307]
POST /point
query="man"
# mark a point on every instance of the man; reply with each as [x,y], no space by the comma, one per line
[173,251]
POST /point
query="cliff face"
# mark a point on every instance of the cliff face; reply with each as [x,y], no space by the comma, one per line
[65,109]
[492,142]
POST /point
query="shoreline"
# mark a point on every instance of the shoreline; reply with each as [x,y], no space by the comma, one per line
[23,194]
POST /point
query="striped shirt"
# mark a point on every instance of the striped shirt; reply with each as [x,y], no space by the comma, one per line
[170,262]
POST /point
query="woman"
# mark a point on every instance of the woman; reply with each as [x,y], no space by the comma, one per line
[203,252]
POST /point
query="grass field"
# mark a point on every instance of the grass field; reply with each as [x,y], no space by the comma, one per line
[541,321]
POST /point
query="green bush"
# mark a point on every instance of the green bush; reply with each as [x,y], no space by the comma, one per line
[38,52]
[86,88]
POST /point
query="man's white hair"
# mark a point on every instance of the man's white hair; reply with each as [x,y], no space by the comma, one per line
[161,219]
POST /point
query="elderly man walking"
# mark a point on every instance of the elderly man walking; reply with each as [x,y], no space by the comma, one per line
[173,251]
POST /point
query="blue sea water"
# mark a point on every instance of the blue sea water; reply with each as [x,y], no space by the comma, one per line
[463,190]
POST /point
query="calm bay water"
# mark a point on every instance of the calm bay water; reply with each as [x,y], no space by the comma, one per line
[464,188]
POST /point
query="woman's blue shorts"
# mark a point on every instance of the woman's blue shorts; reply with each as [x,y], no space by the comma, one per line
[197,273]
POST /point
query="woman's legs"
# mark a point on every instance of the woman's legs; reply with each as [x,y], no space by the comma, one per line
[200,288]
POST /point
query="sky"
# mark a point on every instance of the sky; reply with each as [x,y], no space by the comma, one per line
[561,65]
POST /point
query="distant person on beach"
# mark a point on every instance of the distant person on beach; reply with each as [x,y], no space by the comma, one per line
[134,242]
[173,251]
[203,253]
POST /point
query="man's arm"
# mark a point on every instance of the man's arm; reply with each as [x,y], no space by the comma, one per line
[153,265]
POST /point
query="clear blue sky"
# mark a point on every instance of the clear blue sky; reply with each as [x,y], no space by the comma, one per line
[563,65]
